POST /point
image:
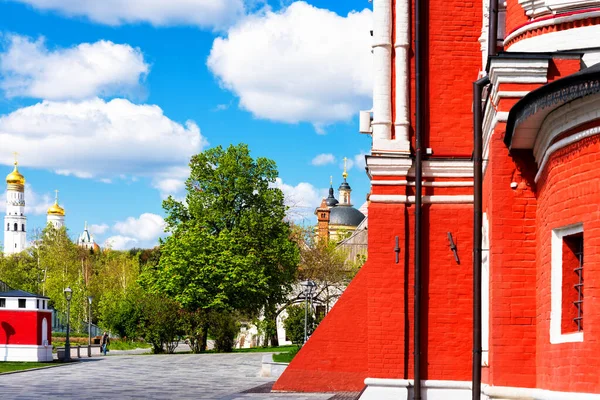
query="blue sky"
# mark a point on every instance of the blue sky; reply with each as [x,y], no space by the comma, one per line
[107,101]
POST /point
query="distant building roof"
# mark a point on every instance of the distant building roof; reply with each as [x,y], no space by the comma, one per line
[345,215]
[21,293]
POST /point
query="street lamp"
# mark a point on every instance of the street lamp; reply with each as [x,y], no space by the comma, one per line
[308,289]
[90,298]
[68,292]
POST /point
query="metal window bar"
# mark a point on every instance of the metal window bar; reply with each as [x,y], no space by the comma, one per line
[579,286]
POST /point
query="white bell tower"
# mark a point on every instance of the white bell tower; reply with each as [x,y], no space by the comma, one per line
[15,221]
[56,214]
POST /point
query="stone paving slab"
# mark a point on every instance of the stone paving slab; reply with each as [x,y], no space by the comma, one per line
[175,376]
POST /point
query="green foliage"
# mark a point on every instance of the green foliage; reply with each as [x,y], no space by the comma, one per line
[224,327]
[230,246]
[160,324]
[294,323]
[194,325]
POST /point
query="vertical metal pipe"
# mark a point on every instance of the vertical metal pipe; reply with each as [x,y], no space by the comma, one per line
[493,28]
[477,231]
[420,59]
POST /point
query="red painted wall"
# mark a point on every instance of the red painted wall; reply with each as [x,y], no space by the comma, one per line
[569,193]
[515,15]
[512,233]
[23,327]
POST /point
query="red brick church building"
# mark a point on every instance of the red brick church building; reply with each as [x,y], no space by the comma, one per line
[483,274]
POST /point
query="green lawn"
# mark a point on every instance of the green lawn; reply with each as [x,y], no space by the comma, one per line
[8,366]
[283,357]
[266,349]
[126,345]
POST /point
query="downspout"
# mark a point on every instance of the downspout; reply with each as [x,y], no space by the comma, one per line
[477,230]
[420,35]
[493,29]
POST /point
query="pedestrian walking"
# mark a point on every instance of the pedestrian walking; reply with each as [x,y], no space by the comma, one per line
[104,343]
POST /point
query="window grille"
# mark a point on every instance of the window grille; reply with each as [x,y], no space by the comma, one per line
[579,285]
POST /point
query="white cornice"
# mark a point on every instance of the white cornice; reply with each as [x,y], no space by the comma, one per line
[441,199]
[427,184]
[447,169]
[551,21]
[387,166]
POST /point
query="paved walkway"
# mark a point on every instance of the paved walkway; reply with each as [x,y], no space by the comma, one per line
[175,376]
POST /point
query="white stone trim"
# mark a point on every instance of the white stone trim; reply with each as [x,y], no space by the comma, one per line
[428,184]
[401,389]
[564,143]
[556,335]
[508,94]
[446,169]
[382,81]
[22,352]
[436,199]
[485,291]
[551,21]
[387,166]
[517,393]
[563,119]
[582,37]
[401,65]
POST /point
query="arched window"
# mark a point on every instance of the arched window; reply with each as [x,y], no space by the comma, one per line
[23,227]
[16,227]
[8,227]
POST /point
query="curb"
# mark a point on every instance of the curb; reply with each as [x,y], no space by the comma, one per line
[38,368]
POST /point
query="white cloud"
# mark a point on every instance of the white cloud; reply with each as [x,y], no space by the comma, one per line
[98,229]
[103,140]
[35,203]
[359,161]
[29,69]
[302,198]
[148,227]
[119,242]
[215,14]
[323,159]
[300,64]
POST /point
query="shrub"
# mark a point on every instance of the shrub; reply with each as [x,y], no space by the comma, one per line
[224,327]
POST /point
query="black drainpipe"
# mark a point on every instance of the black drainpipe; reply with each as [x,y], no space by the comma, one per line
[493,28]
[477,228]
[420,25]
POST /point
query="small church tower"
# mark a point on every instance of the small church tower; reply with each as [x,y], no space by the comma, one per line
[345,189]
[56,214]
[15,221]
[322,213]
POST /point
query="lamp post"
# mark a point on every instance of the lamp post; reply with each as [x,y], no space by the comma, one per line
[308,286]
[68,292]
[90,298]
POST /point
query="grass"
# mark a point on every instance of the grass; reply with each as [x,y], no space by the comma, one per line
[114,344]
[127,345]
[284,357]
[8,366]
[266,349]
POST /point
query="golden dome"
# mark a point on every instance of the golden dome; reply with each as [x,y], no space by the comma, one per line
[55,209]
[15,177]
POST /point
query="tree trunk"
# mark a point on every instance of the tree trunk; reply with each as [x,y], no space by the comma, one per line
[204,338]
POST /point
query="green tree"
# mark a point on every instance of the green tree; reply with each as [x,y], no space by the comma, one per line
[294,323]
[230,246]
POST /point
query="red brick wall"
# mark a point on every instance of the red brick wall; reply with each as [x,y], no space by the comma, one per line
[512,227]
[569,193]
[454,62]
[515,15]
